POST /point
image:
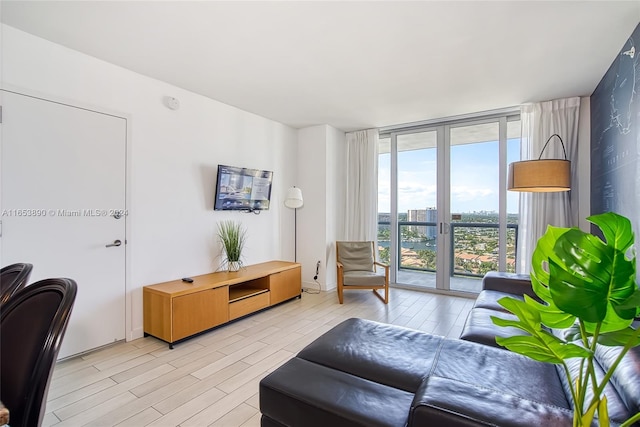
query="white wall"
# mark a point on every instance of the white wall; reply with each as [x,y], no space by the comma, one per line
[320,177]
[336,178]
[312,157]
[584,164]
[173,160]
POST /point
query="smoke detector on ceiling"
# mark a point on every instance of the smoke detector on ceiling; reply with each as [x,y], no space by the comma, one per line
[171,103]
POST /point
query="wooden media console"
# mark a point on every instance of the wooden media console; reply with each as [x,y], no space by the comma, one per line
[174,311]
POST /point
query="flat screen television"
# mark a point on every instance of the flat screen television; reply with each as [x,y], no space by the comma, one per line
[242,189]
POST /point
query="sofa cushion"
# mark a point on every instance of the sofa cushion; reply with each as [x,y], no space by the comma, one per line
[453,403]
[480,328]
[489,299]
[472,384]
[363,278]
[302,393]
[387,354]
[500,370]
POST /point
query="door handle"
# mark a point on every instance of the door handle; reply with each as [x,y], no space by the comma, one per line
[115,243]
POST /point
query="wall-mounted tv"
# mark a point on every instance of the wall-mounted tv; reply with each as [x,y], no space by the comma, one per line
[242,189]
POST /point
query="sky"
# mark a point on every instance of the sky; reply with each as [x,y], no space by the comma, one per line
[474,178]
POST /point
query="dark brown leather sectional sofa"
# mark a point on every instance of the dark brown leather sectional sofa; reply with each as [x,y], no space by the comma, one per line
[364,373]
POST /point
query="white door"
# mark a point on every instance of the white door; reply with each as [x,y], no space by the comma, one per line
[63,184]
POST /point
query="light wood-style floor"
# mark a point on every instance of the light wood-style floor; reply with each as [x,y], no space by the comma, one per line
[212,380]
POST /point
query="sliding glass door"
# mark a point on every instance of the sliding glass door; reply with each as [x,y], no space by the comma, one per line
[445,217]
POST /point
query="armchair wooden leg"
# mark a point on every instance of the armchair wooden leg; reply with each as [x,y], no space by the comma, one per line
[384,299]
[340,297]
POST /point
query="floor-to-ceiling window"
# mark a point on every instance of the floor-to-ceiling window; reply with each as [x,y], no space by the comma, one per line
[445,217]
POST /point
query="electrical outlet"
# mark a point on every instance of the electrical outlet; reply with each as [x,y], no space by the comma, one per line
[317,271]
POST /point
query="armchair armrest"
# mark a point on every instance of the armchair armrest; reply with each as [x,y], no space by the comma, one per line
[385,266]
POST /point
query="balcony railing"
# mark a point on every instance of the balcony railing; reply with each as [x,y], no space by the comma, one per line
[476,250]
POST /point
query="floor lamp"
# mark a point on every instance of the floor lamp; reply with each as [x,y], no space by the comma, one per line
[294,201]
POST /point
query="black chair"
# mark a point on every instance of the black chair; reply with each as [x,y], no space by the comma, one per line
[32,325]
[13,278]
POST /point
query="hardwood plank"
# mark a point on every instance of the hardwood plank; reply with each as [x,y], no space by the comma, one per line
[253,421]
[134,407]
[221,407]
[141,418]
[237,416]
[253,371]
[79,394]
[180,398]
[87,404]
[193,406]
[227,360]
[97,411]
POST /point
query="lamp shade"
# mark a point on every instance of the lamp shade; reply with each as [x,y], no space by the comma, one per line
[540,176]
[294,198]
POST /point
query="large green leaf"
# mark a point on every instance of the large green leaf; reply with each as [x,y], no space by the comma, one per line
[543,252]
[576,295]
[587,277]
[620,338]
[550,315]
[615,228]
[527,315]
[632,302]
[543,347]
[611,339]
[539,344]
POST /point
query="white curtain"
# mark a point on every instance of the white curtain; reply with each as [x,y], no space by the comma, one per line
[361,215]
[537,210]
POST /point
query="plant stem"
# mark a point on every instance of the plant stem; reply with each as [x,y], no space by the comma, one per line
[591,372]
[631,420]
[571,387]
[583,377]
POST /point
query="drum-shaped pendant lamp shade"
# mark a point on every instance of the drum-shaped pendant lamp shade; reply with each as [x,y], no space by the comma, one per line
[540,176]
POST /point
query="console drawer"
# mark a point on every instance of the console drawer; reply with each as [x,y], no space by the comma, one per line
[248,305]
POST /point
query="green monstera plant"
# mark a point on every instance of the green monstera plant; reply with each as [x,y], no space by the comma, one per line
[587,288]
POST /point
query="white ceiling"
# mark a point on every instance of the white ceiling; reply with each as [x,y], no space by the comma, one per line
[352,65]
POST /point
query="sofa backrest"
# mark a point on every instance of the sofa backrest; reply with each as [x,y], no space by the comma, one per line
[517,284]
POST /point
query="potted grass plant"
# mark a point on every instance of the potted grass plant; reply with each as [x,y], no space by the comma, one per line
[232,236]
[587,288]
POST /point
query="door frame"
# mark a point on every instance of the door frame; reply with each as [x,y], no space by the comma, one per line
[129,334]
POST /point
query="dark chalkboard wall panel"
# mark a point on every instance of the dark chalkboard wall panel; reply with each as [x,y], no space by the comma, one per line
[615,137]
